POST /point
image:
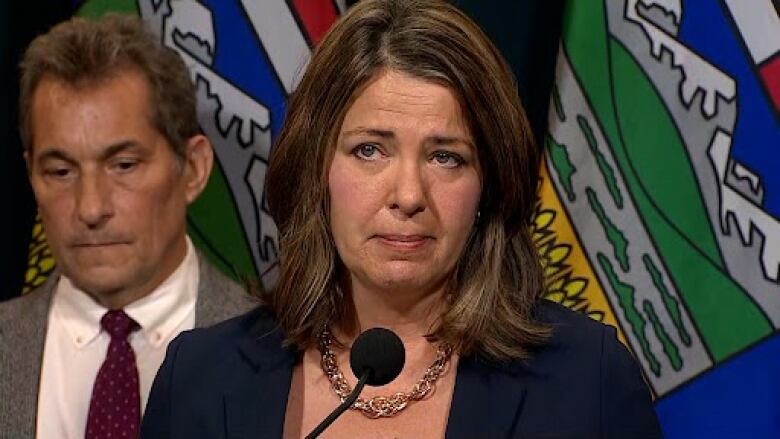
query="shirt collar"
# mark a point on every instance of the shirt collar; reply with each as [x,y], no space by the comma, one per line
[78,313]
[158,314]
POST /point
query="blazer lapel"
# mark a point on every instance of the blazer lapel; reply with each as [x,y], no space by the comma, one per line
[219,297]
[256,405]
[488,400]
[22,338]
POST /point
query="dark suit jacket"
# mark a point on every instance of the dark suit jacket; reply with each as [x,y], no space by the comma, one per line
[23,333]
[232,381]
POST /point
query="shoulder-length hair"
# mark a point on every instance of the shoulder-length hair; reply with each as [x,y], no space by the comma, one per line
[498,277]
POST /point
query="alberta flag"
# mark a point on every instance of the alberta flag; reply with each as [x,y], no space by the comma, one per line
[659,202]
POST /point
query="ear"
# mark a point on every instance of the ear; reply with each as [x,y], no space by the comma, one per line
[197,165]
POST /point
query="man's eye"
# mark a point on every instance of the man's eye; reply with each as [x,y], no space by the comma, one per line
[57,172]
[125,165]
[366,152]
[447,159]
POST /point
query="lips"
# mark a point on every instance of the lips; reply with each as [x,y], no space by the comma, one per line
[404,242]
[98,244]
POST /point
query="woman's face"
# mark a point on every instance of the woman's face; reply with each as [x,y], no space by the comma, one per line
[404,185]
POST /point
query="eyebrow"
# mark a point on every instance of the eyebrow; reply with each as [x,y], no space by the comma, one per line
[385,134]
[388,134]
[450,140]
[116,148]
[111,150]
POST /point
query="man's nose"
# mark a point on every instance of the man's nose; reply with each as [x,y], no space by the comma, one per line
[93,200]
[409,189]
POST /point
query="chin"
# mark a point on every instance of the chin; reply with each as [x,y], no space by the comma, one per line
[99,280]
[98,290]
[404,280]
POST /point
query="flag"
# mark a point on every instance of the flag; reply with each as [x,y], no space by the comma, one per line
[245,58]
[660,199]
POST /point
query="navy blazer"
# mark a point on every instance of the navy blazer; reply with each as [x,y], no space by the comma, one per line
[232,381]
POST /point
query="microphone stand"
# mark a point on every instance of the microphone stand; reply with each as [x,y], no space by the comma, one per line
[348,401]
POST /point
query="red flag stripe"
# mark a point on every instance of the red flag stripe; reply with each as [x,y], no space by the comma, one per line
[316,16]
[770,74]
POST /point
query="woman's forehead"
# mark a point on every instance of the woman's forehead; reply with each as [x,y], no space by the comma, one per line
[394,98]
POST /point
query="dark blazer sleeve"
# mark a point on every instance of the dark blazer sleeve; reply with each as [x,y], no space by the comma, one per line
[157,417]
[627,409]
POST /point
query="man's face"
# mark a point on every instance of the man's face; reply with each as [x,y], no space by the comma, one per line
[110,190]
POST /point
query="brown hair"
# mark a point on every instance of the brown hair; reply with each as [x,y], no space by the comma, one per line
[498,278]
[82,53]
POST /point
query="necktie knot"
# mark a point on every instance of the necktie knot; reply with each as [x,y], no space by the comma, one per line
[118,324]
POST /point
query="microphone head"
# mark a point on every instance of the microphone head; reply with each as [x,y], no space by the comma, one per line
[381,352]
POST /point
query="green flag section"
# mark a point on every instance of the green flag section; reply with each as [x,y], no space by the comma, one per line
[97,8]
[216,230]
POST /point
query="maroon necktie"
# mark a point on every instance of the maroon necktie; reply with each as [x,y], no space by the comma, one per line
[115,407]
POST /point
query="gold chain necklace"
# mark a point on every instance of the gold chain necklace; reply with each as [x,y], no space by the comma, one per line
[381,406]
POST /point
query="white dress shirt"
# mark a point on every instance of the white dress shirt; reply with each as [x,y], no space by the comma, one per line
[76,345]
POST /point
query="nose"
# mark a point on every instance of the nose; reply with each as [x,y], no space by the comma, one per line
[93,201]
[410,193]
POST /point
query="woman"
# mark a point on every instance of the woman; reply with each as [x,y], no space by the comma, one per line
[402,186]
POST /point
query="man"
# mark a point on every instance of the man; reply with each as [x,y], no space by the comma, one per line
[114,155]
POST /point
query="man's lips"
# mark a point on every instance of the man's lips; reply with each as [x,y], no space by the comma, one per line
[98,244]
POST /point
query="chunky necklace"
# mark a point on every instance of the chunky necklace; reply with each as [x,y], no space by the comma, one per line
[381,406]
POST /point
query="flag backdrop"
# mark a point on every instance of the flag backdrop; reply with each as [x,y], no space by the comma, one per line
[662,197]
[659,197]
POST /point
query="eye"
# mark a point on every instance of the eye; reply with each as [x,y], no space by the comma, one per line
[447,159]
[125,165]
[366,151]
[57,172]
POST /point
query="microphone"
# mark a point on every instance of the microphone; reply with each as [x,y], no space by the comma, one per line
[376,358]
